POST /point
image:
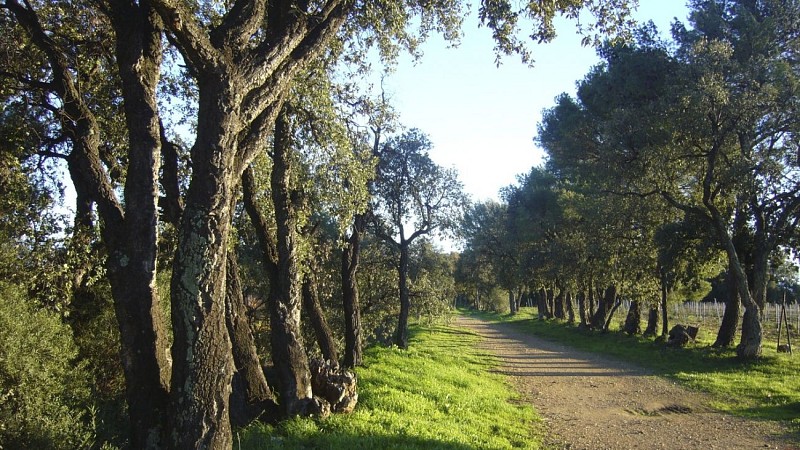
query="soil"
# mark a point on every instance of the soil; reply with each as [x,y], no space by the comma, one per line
[593,402]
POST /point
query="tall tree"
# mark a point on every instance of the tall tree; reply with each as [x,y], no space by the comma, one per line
[242,56]
[413,197]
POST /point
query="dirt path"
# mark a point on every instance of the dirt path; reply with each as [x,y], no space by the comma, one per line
[591,402]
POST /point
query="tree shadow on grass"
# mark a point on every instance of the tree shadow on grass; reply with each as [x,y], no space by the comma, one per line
[337,441]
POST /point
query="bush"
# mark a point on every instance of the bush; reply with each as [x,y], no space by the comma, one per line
[43,393]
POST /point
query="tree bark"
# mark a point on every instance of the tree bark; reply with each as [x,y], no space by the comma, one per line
[544,310]
[558,305]
[288,352]
[633,321]
[251,396]
[570,309]
[401,334]
[201,382]
[512,304]
[582,317]
[353,352]
[611,315]
[604,304]
[652,321]
[726,335]
[313,309]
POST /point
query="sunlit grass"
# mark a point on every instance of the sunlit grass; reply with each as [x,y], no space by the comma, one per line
[768,388]
[439,394]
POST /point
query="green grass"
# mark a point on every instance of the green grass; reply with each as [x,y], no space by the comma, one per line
[439,394]
[768,388]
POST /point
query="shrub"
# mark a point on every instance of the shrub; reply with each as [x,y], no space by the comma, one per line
[43,393]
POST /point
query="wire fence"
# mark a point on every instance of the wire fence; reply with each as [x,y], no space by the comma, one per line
[710,311]
[708,315]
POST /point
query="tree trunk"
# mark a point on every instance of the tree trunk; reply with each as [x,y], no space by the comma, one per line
[558,302]
[201,381]
[604,304]
[288,352]
[313,309]
[353,352]
[512,303]
[551,303]
[133,250]
[761,254]
[611,315]
[582,317]
[726,335]
[569,306]
[251,396]
[664,299]
[633,321]
[750,344]
[541,304]
[652,321]
[401,334]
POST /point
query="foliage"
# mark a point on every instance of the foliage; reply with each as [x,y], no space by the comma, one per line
[439,394]
[413,196]
[43,393]
[431,281]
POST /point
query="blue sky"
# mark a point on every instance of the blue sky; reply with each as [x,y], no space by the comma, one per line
[482,119]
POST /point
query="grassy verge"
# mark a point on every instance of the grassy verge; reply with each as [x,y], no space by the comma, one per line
[765,389]
[439,394]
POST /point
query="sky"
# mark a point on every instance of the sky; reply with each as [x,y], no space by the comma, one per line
[481,118]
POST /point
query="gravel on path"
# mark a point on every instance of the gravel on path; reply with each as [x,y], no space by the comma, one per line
[594,402]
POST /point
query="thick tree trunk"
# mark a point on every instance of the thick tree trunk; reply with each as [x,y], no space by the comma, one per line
[288,352]
[633,321]
[726,335]
[551,303]
[652,321]
[251,396]
[401,334]
[604,305]
[558,303]
[133,250]
[512,303]
[750,344]
[353,353]
[202,354]
[544,310]
[313,309]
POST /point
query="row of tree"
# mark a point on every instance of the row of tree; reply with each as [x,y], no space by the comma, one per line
[275,181]
[677,159]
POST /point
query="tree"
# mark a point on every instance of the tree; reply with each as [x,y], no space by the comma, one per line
[705,129]
[242,58]
[413,197]
[484,231]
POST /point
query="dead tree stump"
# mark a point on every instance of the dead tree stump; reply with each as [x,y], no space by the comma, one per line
[337,386]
